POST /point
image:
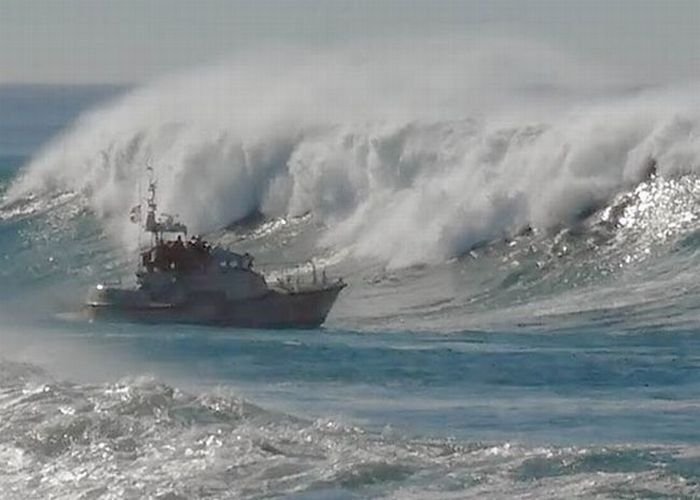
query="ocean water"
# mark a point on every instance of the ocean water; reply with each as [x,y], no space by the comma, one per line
[521,317]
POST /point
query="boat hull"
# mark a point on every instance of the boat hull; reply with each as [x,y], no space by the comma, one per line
[275,309]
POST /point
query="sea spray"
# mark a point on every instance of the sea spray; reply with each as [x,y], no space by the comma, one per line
[400,165]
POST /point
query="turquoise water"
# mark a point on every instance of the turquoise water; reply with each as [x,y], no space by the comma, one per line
[548,365]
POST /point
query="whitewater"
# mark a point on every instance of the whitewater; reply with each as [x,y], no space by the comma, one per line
[518,228]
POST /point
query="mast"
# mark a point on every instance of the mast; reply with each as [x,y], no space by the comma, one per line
[151,222]
[163,224]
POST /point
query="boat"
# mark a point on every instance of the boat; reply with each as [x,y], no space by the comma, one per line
[180,280]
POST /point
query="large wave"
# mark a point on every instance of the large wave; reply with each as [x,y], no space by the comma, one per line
[407,153]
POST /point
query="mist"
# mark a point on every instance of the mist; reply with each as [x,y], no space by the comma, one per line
[406,151]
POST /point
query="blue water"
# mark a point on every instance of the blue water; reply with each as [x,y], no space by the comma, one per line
[587,387]
[573,373]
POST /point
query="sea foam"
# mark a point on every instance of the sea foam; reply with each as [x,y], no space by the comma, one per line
[409,152]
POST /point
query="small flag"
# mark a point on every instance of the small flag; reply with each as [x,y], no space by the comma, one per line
[135,214]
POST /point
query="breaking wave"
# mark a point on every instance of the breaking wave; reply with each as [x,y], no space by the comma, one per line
[531,191]
[544,195]
[401,165]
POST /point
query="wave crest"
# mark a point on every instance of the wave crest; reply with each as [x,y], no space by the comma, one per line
[400,166]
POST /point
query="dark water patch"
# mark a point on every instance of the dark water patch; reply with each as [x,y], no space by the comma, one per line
[372,473]
[313,357]
[689,242]
[9,164]
[589,461]
[686,467]
[53,104]
[30,115]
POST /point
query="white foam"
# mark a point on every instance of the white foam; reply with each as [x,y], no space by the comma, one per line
[408,152]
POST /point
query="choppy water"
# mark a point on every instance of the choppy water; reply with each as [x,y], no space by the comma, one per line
[189,413]
[521,318]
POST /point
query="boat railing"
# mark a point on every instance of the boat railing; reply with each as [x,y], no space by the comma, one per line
[302,277]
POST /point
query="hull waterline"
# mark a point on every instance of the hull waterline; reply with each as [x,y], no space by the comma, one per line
[302,309]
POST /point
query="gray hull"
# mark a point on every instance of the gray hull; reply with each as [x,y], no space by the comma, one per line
[275,309]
